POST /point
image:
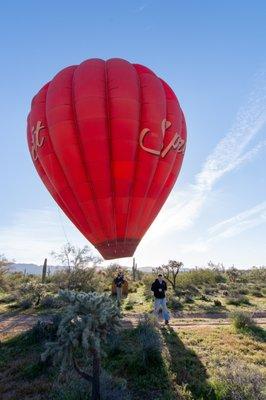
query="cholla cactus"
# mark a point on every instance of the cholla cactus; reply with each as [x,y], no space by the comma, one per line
[89,318]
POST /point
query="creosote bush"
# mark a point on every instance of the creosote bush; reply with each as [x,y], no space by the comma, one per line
[242,321]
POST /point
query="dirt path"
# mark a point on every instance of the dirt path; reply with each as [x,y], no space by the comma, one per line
[14,323]
[196,320]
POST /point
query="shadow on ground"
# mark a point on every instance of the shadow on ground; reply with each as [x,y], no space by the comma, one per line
[258,333]
[187,367]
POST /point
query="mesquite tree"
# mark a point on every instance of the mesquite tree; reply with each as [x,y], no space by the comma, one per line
[89,318]
[73,257]
[170,271]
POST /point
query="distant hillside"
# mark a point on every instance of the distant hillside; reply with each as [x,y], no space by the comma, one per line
[35,269]
[32,268]
[145,269]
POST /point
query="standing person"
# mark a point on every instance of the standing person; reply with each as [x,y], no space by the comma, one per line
[159,288]
[119,282]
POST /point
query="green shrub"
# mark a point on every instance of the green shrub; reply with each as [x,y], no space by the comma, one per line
[132,289]
[204,298]
[179,292]
[48,302]
[236,381]
[174,304]
[210,290]
[147,281]
[222,286]
[73,388]
[33,370]
[238,301]
[10,298]
[44,329]
[243,291]
[129,305]
[147,353]
[188,299]
[217,303]
[256,293]
[25,304]
[193,289]
[200,277]
[34,291]
[242,321]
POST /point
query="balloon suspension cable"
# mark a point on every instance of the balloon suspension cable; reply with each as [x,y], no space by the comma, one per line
[62,224]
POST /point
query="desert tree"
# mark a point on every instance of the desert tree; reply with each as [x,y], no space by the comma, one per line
[4,263]
[88,319]
[170,271]
[233,273]
[219,267]
[113,269]
[73,257]
[80,264]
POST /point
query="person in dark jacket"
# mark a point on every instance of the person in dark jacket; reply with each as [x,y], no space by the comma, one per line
[159,287]
[119,282]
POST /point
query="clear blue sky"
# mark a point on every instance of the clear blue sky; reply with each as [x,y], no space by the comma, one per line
[213,54]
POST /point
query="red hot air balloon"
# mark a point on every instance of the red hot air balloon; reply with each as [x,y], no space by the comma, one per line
[107,139]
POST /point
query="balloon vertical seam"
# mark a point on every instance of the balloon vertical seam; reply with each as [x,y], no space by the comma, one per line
[89,181]
[139,215]
[137,158]
[110,145]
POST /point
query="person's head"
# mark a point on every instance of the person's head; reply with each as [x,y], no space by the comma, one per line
[160,278]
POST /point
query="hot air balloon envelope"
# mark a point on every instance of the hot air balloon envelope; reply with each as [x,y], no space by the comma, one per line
[107,138]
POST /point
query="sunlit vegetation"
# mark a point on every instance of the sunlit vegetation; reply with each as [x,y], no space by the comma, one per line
[64,337]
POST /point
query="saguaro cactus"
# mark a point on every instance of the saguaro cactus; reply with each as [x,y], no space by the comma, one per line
[134,269]
[44,270]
